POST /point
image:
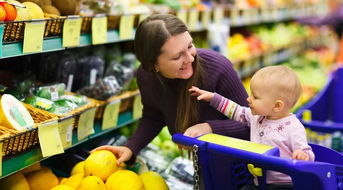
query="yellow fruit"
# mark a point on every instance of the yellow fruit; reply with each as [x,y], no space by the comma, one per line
[62,187]
[73,181]
[124,180]
[153,181]
[101,163]
[35,12]
[31,168]
[61,179]
[42,179]
[91,183]
[78,168]
[16,181]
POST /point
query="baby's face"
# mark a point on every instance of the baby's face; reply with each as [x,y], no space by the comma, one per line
[261,101]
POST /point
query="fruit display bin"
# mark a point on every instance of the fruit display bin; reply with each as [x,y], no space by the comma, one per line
[126,102]
[324,113]
[25,140]
[14,30]
[112,23]
[218,157]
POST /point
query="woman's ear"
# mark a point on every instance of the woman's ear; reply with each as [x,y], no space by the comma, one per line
[278,106]
[156,68]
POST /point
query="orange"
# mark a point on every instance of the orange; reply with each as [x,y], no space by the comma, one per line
[11,11]
[2,13]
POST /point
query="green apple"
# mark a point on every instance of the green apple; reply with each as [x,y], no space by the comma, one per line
[169,148]
[156,141]
[126,131]
[164,134]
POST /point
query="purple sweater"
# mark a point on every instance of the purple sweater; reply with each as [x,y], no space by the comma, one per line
[160,102]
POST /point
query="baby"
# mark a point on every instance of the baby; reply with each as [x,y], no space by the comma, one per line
[274,91]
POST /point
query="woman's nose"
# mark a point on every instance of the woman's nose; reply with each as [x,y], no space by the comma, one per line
[189,57]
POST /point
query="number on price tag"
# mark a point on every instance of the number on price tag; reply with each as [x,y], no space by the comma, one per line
[33,37]
[49,139]
[137,107]
[65,128]
[205,18]
[71,32]
[99,30]
[218,15]
[193,19]
[85,125]
[182,15]
[111,114]
[126,27]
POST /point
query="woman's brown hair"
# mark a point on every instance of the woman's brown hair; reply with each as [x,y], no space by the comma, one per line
[150,36]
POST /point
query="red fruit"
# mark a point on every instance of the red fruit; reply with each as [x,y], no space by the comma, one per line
[11,11]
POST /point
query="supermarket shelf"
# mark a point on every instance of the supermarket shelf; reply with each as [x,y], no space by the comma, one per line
[55,44]
[33,156]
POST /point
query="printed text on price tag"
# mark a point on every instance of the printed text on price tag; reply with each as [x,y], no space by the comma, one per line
[126,27]
[33,37]
[71,32]
[111,113]
[85,124]
[99,30]
[49,139]
[65,128]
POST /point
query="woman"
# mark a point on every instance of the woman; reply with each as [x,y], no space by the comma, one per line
[170,66]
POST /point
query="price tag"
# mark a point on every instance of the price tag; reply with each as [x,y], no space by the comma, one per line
[205,18]
[1,159]
[33,37]
[218,15]
[142,17]
[111,114]
[49,139]
[126,27]
[193,19]
[99,30]
[137,107]
[234,16]
[85,125]
[65,128]
[182,15]
[71,32]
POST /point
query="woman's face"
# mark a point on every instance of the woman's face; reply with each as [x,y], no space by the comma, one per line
[177,56]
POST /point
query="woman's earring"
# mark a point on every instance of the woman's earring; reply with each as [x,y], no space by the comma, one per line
[156,70]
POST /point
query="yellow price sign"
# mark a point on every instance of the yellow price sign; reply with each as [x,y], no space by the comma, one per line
[1,159]
[85,125]
[137,107]
[218,15]
[126,27]
[71,32]
[49,139]
[111,114]
[182,15]
[65,129]
[33,37]
[193,19]
[99,30]
[205,18]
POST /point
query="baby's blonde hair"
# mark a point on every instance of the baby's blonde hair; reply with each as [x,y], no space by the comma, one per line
[281,81]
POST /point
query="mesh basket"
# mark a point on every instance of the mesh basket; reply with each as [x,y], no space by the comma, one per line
[22,141]
[86,25]
[113,22]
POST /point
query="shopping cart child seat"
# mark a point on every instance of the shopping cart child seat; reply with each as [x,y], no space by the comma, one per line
[219,159]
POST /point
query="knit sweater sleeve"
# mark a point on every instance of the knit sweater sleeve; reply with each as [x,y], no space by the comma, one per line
[151,122]
[224,80]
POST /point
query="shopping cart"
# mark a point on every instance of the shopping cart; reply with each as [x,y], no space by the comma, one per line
[326,108]
[219,156]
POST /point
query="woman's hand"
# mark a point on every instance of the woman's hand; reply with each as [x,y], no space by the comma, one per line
[198,129]
[122,153]
[201,94]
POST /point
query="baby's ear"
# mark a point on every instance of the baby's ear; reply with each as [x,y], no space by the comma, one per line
[278,106]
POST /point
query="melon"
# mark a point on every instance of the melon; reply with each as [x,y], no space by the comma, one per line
[91,183]
[16,181]
[101,163]
[124,180]
[78,168]
[153,181]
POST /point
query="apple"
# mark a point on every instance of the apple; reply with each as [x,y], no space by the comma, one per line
[156,141]
[169,148]
[164,134]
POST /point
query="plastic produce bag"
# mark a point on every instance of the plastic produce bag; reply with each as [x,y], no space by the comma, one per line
[102,89]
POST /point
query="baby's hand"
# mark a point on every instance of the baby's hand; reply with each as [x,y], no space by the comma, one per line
[300,155]
[201,94]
